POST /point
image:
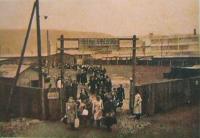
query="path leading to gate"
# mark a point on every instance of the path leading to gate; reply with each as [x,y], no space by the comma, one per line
[120,74]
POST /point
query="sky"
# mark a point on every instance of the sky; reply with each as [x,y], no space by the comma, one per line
[117,17]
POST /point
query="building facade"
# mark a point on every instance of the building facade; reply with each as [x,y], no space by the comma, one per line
[173,45]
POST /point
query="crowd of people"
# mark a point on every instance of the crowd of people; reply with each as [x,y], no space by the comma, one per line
[91,112]
[94,80]
[97,102]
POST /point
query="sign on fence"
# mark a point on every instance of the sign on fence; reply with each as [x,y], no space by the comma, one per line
[99,41]
[53,95]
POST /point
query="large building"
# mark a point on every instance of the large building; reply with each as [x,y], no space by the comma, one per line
[186,45]
[79,50]
[173,45]
[183,45]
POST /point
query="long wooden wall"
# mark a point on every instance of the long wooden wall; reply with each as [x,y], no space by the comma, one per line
[163,96]
[25,102]
[157,97]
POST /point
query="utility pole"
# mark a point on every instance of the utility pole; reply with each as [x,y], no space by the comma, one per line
[133,80]
[20,60]
[107,56]
[48,51]
[62,72]
[161,49]
[48,48]
[0,50]
[40,60]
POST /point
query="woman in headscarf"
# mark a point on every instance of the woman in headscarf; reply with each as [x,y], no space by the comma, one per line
[138,105]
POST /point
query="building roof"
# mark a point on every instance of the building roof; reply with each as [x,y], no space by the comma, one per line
[193,67]
[26,55]
[3,59]
[9,70]
[173,36]
[177,56]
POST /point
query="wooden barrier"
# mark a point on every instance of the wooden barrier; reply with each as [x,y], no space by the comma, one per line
[163,96]
[54,110]
[26,101]
[157,97]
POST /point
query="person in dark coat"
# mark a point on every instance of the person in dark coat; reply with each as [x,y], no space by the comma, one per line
[108,85]
[83,95]
[83,77]
[78,76]
[104,71]
[120,93]
[89,107]
[74,89]
[68,90]
[92,85]
[109,113]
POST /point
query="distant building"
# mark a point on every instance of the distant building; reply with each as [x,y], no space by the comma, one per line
[78,50]
[173,45]
[28,76]
[126,47]
[76,56]
[8,73]
[99,43]
[71,57]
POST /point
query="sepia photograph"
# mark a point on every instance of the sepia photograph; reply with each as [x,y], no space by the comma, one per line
[100,68]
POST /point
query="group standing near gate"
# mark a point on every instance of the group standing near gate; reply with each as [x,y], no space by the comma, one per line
[97,102]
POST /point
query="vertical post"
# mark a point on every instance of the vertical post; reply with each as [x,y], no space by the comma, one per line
[48,51]
[161,48]
[0,51]
[178,45]
[131,96]
[107,56]
[39,50]
[21,59]
[132,93]
[62,72]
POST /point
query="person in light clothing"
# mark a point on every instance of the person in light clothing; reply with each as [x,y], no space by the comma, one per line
[138,105]
[71,111]
[97,110]
[84,116]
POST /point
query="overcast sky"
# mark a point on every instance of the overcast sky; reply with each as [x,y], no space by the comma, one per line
[117,17]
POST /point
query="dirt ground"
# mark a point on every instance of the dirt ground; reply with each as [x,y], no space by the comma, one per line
[182,122]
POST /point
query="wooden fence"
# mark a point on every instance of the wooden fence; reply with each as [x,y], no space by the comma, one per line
[25,101]
[163,96]
[157,97]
